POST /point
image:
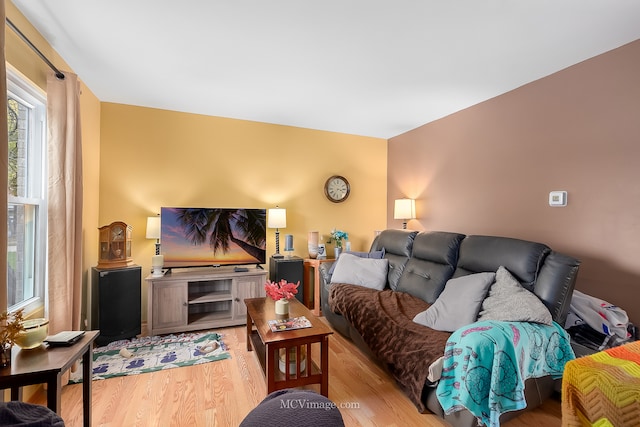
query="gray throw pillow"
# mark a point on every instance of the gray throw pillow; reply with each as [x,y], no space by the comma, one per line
[368,272]
[372,254]
[458,304]
[509,301]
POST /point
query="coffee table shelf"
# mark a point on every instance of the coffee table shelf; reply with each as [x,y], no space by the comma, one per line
[267,346]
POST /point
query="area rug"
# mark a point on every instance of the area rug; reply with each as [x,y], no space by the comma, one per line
[149,354]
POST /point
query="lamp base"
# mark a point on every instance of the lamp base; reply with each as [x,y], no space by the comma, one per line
[277,256]
[157,272]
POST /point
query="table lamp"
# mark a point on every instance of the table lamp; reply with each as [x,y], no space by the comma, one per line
[404,209]
[153,232]
[277,219]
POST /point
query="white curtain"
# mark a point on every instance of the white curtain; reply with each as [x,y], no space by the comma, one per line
[4,162]
[64,203]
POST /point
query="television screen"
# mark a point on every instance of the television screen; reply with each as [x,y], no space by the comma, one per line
[198,237]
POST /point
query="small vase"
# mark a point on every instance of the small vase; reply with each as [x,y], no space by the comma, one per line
[337,252]
[313,252]
[282,308]
[5,356]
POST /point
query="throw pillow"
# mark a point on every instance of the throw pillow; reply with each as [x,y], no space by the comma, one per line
[368,272]
[509,301]
[458,304]
[372,254]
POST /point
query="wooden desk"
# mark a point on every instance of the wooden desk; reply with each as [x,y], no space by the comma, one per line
[46,365]
[308,264]
[267,346]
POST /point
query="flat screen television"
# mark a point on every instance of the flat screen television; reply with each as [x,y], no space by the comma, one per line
[200,237]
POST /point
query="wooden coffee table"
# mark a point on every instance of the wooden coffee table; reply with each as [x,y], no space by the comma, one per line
[267,345]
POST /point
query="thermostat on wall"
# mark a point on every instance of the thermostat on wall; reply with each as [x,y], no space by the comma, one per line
[558,198]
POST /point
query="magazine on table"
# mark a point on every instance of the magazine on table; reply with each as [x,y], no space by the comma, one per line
[289,324]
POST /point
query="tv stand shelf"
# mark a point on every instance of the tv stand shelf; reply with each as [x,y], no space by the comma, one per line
[201,298]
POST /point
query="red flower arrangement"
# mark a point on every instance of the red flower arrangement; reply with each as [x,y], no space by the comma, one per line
[281,290]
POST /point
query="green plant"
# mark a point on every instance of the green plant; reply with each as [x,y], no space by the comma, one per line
[10,327]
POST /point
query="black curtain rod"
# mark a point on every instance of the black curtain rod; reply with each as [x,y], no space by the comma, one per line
[35,49]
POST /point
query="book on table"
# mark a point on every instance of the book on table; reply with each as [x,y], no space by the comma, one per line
[289,324]
[64,338]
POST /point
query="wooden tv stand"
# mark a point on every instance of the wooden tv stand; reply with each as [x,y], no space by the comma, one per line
[201,298]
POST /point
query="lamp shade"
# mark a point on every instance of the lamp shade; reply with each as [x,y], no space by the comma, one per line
[153,227]
[277,218]
[404,209]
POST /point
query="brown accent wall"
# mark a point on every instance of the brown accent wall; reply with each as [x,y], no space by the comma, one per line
[489,170]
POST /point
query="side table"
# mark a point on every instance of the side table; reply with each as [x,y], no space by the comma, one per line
[46,365]
[267,346]
[308,264]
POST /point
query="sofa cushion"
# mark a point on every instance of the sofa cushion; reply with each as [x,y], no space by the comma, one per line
[458,304]
[372,254]
[509,301]
[486,253]
[397,245]
[432,263]
[368,272]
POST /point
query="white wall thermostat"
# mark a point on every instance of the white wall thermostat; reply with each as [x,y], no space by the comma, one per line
[558,198]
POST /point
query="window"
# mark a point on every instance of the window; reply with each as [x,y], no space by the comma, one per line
[27,211]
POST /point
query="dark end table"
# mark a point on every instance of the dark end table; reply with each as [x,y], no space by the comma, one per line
[46,365]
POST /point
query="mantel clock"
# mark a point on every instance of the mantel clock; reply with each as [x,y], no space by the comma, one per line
[115,245]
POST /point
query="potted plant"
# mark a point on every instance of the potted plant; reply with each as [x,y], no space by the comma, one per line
[10,326]
[338,236]
[281,292]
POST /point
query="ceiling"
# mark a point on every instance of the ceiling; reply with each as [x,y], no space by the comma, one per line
[364,67]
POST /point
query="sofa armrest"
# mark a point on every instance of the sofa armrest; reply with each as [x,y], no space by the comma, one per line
[324,268]
[555,284]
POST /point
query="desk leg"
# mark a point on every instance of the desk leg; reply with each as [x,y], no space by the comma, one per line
[54,392]
[87,372]
[16,393]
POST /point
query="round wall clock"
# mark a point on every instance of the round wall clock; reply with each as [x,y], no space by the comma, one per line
[337,189]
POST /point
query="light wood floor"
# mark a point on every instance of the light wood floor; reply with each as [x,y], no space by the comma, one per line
[222,393]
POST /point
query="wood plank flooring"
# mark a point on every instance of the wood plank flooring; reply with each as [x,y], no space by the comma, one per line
[222,393]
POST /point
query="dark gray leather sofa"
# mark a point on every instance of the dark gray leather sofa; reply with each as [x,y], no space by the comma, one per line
[420,263]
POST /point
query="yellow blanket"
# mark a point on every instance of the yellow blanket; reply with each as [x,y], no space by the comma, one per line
[603,389]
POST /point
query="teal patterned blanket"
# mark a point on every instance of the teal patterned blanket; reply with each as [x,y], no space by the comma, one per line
[486,364]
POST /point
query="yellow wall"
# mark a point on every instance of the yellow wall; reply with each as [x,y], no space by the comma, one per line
[139,159]
[151,158]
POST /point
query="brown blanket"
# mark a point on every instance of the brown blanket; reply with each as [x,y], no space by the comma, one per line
[385,321]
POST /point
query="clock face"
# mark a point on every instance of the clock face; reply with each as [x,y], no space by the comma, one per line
[337,189]
[117,233]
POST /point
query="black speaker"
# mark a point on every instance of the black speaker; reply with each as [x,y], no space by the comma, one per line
[116,303]
[289,268]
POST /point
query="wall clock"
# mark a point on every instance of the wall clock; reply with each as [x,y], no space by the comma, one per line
[115,245]
[337,189]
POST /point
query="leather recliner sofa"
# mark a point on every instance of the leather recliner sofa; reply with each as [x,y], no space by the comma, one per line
[421,263]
